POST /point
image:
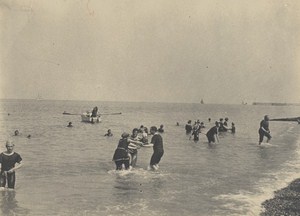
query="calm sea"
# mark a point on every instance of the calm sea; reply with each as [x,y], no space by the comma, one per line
[69,171]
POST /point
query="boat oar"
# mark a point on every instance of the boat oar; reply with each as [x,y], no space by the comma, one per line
[66,113]
[110,114]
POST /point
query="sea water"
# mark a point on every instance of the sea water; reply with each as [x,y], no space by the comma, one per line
[69,171]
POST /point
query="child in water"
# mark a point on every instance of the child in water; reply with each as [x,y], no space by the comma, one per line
[232,128]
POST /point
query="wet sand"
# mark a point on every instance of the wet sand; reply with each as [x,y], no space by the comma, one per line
[285,202]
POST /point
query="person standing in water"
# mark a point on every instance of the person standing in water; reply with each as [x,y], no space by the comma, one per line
[225,125]
[9,162]
[212,134]
[158,149]
[188,127]
[161,129]
[133,147]
[232,128]
[121,156]
[264,130]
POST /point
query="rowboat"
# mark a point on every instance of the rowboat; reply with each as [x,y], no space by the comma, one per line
[87,117]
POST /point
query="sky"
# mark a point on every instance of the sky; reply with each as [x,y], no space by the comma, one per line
[152,51]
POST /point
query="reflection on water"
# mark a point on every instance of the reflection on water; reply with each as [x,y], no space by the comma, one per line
[9,204]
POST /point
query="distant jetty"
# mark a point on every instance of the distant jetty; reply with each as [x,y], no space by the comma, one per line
[276,104]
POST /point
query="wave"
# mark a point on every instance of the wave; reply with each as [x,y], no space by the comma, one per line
[246,202]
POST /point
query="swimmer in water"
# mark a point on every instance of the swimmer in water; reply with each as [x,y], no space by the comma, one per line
[17,133]
[109,133]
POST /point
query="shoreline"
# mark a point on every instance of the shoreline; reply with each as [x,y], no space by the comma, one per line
[286,201]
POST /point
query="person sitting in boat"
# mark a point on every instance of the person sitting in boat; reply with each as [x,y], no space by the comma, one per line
[109,133]
[70,124]
[95,112]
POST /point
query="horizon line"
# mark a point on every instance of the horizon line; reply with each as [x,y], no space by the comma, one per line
[173,102]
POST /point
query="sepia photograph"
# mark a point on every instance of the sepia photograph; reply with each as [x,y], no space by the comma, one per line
[149,108]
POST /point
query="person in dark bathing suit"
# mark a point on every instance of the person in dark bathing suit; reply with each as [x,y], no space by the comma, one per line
[158,149]
[264,130]
[161,129]
[9,162]
[121,156]
[188,127]
[232,128]
[212,134]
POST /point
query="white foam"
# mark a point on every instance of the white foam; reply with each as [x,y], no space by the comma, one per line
[131,208]
[249,203]
[267,145]
[139,172]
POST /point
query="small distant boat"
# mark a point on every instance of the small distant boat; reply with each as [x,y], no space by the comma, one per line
[87,117]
